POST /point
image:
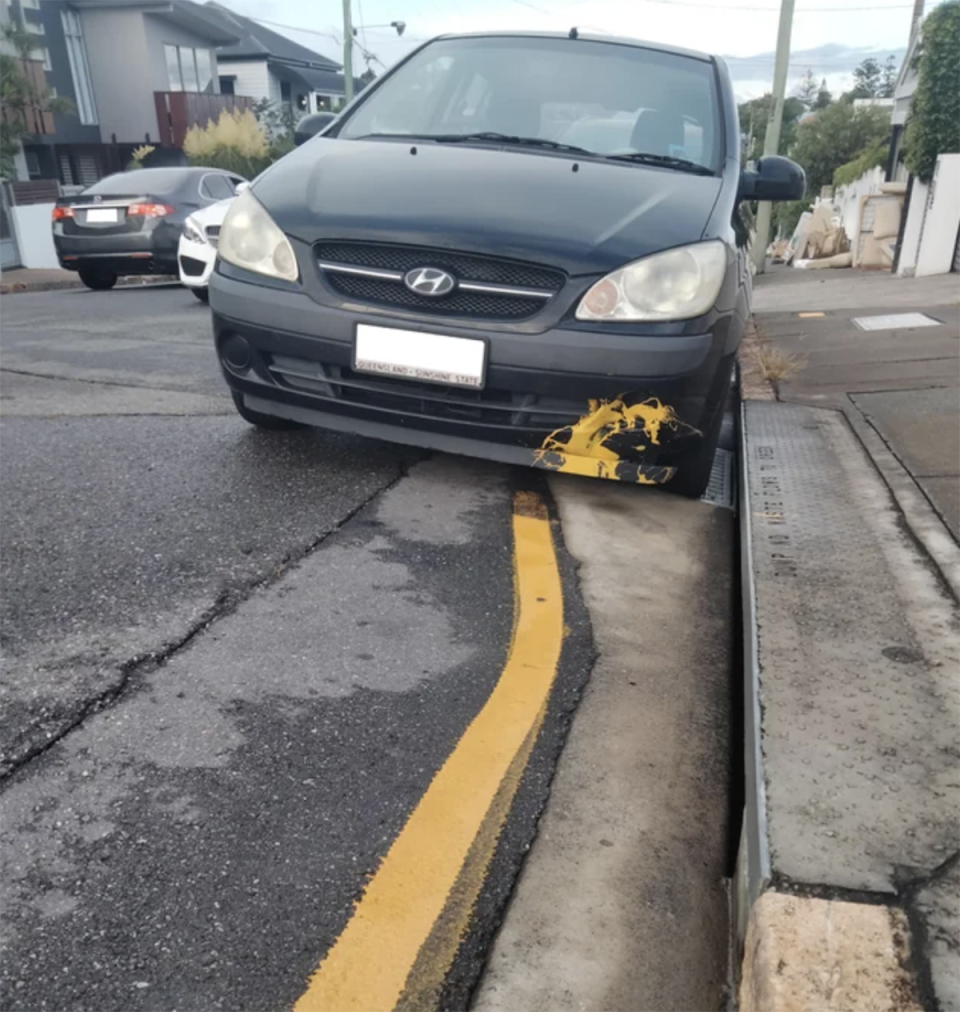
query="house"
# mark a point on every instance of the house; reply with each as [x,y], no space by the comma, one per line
[263,64]
[153,66]
[59,64]
[902,97]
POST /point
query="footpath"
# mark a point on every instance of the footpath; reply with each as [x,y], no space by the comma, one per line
[848,885]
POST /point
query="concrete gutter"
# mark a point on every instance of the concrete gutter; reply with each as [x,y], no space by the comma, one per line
[848,881]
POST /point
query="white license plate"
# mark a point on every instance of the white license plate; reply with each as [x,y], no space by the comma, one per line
[433,358]
[102,214]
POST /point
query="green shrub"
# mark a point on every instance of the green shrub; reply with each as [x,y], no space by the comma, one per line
[934,123]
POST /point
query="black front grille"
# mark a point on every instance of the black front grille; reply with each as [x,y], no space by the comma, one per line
[460,303]
[192,267]
[464,266]
[213,234]
[521,412]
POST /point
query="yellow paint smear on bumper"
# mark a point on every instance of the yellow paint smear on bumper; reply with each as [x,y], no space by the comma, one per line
[585,448]
[368,966]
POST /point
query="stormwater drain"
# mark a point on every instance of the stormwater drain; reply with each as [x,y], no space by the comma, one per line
[720,491]
[896,321]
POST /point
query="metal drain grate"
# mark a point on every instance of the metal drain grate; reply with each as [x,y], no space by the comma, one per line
[720,491]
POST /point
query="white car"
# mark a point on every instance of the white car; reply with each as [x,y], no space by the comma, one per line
[197,252]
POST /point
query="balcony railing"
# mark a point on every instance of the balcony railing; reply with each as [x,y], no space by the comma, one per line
[177,111]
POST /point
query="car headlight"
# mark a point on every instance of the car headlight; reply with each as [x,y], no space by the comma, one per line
[675,285]
[192,231]
[250,239]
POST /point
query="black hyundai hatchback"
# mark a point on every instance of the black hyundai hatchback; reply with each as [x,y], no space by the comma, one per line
[523,247]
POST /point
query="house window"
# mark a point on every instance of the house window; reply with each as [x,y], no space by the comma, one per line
[173,68]
[43,55]
[204,70]
[79,68]
[189,69]
[226,85]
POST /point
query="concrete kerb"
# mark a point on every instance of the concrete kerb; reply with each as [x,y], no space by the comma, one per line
[821,949]
[70,284]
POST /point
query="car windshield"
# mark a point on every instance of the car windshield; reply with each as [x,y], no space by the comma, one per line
[607,98]
[132,184]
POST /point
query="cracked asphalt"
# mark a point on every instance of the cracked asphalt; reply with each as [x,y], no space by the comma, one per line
[236,665]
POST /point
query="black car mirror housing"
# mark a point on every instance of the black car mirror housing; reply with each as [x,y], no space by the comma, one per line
[311,125]
[775,178]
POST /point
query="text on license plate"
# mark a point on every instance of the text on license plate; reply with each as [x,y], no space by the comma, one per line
[432,358]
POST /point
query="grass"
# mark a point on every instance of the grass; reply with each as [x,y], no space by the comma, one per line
[776,365]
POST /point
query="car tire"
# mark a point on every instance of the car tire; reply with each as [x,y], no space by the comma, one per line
[98,281]
[261,421]
[693,471]
[203,294]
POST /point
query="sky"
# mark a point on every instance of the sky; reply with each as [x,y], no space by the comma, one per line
[730,27]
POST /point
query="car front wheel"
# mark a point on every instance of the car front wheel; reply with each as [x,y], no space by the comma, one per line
[262,421]
[693,471]
[201,293]
[99,281]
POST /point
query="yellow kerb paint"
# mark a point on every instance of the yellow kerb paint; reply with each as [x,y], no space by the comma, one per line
[810,316]
[368,966]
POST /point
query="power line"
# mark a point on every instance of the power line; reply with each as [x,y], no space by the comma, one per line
[767,10]
[534,7]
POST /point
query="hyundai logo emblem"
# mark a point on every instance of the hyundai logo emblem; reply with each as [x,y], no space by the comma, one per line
[429,281]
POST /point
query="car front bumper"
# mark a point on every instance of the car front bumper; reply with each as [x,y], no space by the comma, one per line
[600,402]
[195,261]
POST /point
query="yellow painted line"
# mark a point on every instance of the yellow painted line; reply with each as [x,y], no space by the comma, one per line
[368,966]
[809,316]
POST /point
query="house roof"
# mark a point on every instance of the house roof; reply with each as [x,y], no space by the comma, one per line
[256,40]
[190,16]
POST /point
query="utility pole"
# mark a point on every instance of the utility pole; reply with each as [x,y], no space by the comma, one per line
[347,51]
[771,142]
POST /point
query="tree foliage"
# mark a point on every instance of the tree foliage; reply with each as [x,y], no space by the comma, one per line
[807,89]
[19,95]
[934,123]
[835,136]
[754,116]
[872,79]
[824,98]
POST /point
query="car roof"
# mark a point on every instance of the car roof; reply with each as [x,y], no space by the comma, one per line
[615,40]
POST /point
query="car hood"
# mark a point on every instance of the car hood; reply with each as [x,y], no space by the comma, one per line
[585,217]
[213,214]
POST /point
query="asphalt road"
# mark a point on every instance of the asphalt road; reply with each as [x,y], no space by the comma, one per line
[275,702]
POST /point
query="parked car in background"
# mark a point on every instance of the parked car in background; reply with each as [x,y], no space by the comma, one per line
[130,222]
[437,268]
[197,252]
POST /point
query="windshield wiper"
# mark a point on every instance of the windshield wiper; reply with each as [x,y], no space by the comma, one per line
[667,161]
[490,136]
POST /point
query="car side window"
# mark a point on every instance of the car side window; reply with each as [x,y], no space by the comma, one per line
[216,187]
[235,181]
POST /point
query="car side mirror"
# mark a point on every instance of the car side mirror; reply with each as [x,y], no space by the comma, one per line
[775,178]
[311,125]
[240,187]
